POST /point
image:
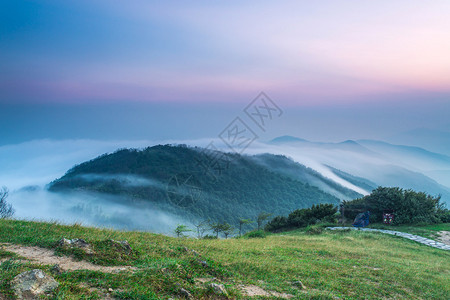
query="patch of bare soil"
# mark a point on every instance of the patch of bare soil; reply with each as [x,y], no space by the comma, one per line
[47,257]
[444,237]
[255,291]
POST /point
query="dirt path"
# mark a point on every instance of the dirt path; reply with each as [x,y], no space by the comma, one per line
[413,237]
[256,291]
[444,237]
[47,257]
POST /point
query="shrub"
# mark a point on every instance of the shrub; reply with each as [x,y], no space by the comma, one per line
[255,234]
[277,223]
[444,215]
[409,207]
[314,229]
[304,217]
[209,237]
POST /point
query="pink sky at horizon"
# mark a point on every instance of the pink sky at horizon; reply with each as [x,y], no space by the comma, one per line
[301,53]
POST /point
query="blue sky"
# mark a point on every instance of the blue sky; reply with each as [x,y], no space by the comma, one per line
[161,70]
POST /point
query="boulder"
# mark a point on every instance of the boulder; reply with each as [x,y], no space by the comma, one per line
[76,243]
[122,246]
[32,284]
[185,293]
[218,289]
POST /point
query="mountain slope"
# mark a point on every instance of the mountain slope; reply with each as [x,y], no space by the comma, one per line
[176,179]
[429,163]
[434,140]
[381,163]
[285,166]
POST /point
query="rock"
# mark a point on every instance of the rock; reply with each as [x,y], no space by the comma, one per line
[195,253]
[76,243]
[110,290]
[218,289]
[185,293]
[56,269]
[299,284]
[32,284]
[123,246]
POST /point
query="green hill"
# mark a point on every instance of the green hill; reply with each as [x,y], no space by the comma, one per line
[199,184]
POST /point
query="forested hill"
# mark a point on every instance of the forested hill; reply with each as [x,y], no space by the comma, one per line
[199,184]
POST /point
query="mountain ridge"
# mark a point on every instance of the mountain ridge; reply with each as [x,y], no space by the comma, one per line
[242,188]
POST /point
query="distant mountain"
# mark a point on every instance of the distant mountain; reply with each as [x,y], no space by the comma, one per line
[377,163]
[433,165]
[348,145]
[199,184]
[434,140]
[286,139]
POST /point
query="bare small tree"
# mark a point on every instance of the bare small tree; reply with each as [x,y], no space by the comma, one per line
[216,228]
[261,218]
[6,210]
[202,227]
[227,230]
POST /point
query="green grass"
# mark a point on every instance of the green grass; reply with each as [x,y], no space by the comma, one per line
[348,265]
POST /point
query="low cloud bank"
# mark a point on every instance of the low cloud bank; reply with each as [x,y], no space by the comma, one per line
[91,209]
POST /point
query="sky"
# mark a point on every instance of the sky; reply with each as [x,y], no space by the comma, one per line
[179,70]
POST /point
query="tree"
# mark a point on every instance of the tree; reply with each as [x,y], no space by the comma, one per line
[217,228]
[202,227]
[261,218]
[181,229]
[242,222]
[408,206]
[6,209]
[227,229]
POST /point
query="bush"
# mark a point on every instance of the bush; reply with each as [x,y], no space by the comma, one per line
[277,223]
[304,217]
[314,229]
[444,215]
[255,234]
[209,237]
[409,207]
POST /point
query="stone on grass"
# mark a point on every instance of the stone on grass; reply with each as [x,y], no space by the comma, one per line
[123,246]
[218,289]
[300,284]
[185,293]
[56,269]
[32,284]
[76,243]
[204,263]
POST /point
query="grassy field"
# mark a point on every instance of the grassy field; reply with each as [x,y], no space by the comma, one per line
[331,265]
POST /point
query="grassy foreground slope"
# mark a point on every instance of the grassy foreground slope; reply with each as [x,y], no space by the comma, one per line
[348,265]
